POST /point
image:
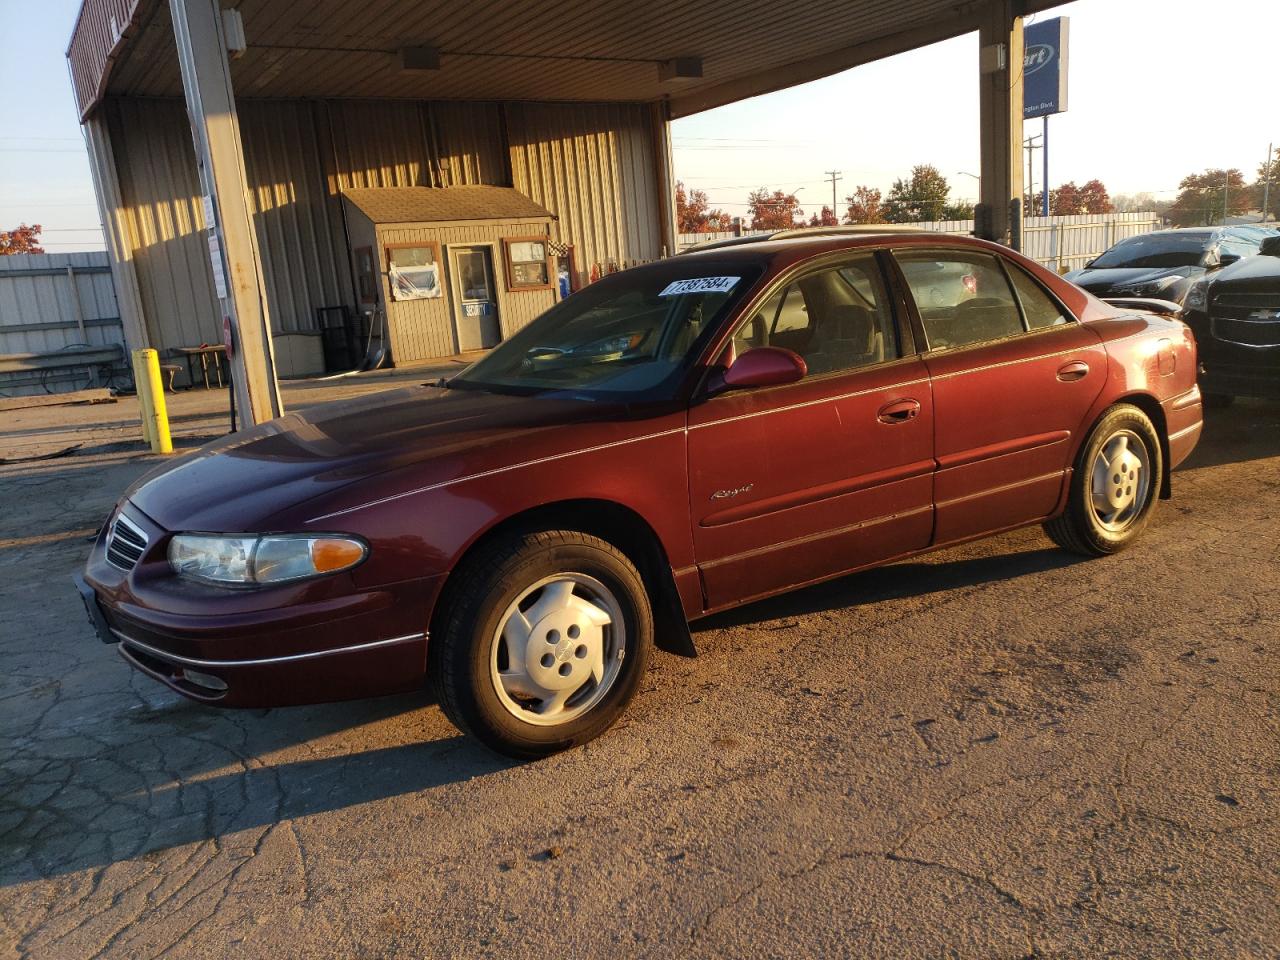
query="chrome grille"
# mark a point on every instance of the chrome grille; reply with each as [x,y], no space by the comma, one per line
[1247,333]
[1248,300]
[125,544]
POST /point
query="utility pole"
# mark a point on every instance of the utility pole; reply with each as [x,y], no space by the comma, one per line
[1031,147]
[1266,184]
[1226,186]
[834,177]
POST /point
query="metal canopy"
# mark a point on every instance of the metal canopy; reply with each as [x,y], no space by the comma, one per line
[595,50]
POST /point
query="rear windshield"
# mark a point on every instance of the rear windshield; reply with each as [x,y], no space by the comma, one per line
[1156,250]
[630,335]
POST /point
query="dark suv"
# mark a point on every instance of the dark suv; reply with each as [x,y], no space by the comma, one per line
[1235,315]
[1165,264]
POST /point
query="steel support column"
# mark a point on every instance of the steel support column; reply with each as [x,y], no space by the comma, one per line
[233,246]
[660,124]
[1000,104]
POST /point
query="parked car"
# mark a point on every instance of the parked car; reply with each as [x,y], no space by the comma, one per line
[1165,263]
[1235,315]
[674,440]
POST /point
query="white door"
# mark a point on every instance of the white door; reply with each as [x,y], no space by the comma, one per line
[475,298]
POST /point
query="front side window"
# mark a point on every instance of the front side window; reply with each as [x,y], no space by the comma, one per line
[528,264]
[837,319]
[630,334]
[962,298]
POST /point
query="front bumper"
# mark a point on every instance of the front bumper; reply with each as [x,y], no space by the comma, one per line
[314,643]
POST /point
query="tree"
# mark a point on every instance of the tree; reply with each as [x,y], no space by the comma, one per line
[1139,203]
[825,219]
[1208,198]
[923,197]
[1069,199]
[774,211]
[960,210]
[21,239]
[693,213]
[864,206]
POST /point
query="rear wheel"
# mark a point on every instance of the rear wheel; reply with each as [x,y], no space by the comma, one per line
[1114,487]
[544,642]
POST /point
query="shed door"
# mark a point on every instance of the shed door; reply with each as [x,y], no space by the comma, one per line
[475,298]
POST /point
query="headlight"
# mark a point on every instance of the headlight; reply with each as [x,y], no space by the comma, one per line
[250,561]
[1198,295]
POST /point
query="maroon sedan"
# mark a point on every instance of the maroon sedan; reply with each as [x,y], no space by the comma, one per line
[674,440]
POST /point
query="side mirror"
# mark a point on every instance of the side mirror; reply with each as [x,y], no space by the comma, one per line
[765,367]
[1089,265]
[1226,259]
[1270,247]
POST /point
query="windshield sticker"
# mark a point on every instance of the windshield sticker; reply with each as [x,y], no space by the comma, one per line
[678,288]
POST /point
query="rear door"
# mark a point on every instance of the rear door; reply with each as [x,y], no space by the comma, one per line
[1014,375]
[793,483]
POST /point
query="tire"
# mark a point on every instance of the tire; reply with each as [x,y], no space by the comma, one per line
[574,592]
[1218,401]
[1096,493]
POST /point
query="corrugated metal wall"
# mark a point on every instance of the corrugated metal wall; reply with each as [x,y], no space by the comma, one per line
[594,167]
[156,165]
[298,219]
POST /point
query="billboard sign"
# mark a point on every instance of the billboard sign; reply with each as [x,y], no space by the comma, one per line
[1044,68]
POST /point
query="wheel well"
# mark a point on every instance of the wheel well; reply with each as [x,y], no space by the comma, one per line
[1151,407]
[620,526]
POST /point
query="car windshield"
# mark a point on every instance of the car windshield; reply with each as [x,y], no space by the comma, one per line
[1156,250]
[628,335]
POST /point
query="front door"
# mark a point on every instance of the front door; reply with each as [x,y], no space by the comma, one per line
[475,298]
[1014,375]
[799,482]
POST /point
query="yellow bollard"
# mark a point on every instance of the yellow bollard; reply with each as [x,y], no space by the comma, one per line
[140,388]
[151,393]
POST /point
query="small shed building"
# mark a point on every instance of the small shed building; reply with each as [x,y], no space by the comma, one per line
[451,269]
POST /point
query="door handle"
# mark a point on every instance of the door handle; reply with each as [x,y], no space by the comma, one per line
[1076,370]
[900,411]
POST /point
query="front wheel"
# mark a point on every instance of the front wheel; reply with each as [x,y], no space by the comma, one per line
[1114,487]
[543,643]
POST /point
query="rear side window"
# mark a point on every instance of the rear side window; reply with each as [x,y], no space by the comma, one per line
[1038,307]
[962,298]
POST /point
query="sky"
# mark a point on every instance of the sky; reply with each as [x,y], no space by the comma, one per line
[1158,89]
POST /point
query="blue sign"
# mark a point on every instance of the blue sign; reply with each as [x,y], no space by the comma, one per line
[1044,68]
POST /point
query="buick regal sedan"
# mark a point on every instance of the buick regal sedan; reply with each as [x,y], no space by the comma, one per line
[674,440]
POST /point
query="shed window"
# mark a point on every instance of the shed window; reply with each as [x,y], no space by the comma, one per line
[414,271]
[528,264]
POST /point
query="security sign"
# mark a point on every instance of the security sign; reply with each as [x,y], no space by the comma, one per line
[1044,68]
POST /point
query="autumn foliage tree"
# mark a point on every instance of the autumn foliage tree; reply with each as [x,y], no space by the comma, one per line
[826,218]
[21,239]
[922,197]
[1069,199]
[774,211]
[864,206]
[1209,197]
[694,213]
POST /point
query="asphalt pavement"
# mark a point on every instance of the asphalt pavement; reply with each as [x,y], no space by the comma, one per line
[995,751]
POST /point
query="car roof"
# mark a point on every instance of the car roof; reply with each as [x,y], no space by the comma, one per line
[807,233]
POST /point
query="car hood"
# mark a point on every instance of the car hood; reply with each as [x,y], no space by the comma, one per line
[241,482]
[1109,278]
[1253,274]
